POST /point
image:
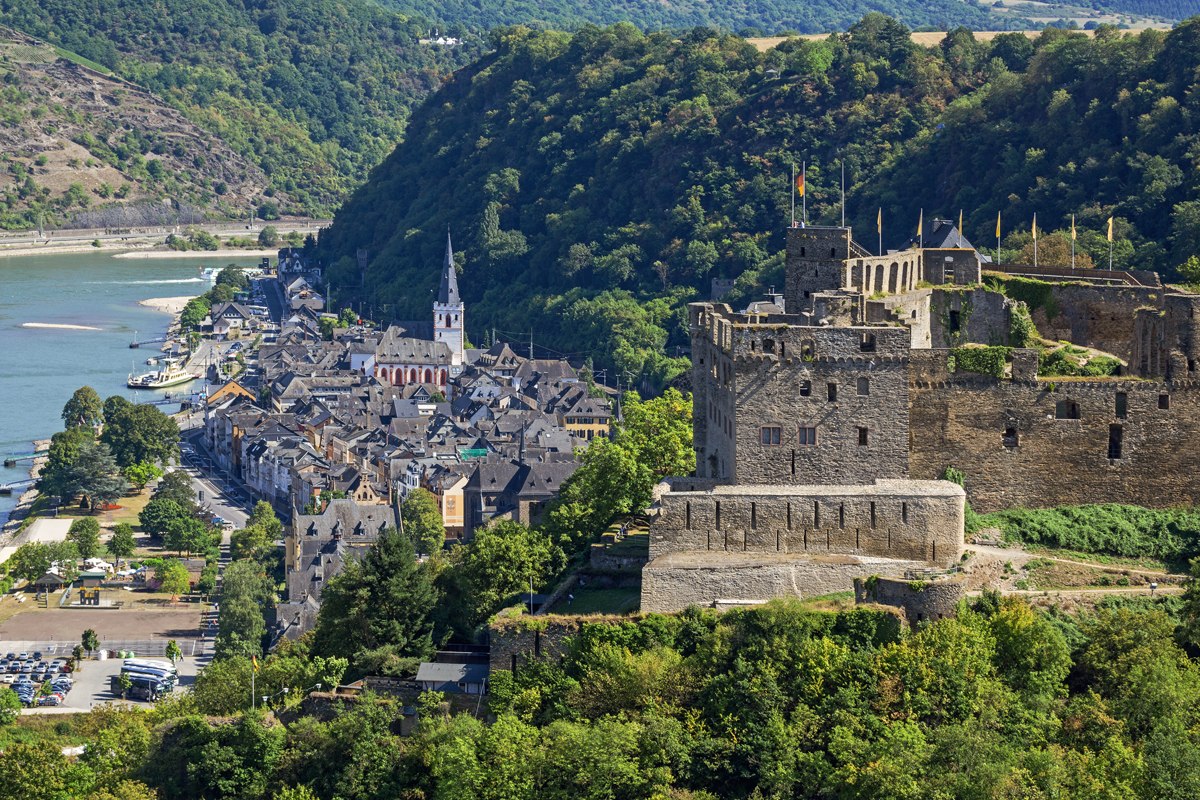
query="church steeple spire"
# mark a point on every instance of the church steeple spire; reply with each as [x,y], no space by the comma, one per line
[448,316]
[448,293]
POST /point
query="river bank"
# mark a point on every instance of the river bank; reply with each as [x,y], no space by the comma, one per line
[223,253]
[167,305]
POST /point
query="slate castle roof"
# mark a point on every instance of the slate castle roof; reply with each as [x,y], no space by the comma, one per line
[448,293]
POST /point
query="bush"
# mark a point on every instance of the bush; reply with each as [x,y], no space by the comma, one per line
[981,360]
[1172,535]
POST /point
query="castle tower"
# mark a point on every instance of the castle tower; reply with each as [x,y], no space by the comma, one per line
[448,318]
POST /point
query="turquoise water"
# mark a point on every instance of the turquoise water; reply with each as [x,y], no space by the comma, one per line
[41,367]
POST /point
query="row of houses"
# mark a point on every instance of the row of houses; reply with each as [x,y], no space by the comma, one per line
[336,432]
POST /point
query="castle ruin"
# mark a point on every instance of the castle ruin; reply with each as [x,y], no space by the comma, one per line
[823,421]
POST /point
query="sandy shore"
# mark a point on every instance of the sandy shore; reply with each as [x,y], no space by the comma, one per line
[51,250]
[227,253]
[167,305]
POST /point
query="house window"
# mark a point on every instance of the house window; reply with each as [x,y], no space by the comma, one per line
[1066,409]
[862,437]
[808,436]
[805,388]
[770,435]
[864,387]
[1164,402]
[831,388]
[1122,405]
[1115,435]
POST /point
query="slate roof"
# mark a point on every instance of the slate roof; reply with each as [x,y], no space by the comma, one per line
[448,292]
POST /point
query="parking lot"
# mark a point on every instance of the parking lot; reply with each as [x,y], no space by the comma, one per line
[92,684]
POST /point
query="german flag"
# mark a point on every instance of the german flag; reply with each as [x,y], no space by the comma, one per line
[800,184]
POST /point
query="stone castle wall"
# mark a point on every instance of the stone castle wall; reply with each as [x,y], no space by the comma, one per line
[898,519]
[1048,442]
[1096,316]
[919,600]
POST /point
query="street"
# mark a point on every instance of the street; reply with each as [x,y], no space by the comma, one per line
[217,491]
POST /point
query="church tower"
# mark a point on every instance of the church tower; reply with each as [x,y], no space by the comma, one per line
[448,312]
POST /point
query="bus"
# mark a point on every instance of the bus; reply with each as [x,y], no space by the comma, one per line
[142,687]
[152,663]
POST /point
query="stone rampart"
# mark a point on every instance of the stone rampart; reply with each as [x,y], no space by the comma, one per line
[899,519]
[920,600]
[1059,441]
[674,582]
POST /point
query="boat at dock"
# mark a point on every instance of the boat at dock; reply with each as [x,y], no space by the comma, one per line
[172,374]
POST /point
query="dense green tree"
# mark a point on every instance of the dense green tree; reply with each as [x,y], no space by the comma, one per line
[186,534]
[502,563]
[58,474]
[141,473]
[30,561]
[241,626]
[122,543]
[160,514]
[659,431]
[263,516]
[177,486]
[10,706]
[85,533]
[140,433]
[172,577]
[84,409]
[422,519]
[377,612]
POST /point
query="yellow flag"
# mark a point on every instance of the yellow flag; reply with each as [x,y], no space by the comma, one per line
[1072,227]
[920,226]
[1035,227]
[997,224]
[960,222]
[254,661]
[879,221]
[1110,219]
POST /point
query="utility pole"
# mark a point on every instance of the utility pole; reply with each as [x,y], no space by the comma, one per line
[531,344]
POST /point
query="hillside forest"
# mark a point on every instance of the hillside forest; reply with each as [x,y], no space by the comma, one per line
[597,182]
[313,92]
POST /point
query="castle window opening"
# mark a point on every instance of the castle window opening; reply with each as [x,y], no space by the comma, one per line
[1066,409]
[1122,405]
[802,252]
[688,515]
[793,461]
[1115,437]
[841,515]
[807,436]
[753,516]
[867,343]
[768,345]
[863,387]
[862,437]
[1164,402]
[717,515]
[831,388]
[904,512]
[751,345]
[807,350]
[770,435]
[872,513]
[1191,365]
[805,388]
[1011,438]
[833,252]
[816,513]
[955,322]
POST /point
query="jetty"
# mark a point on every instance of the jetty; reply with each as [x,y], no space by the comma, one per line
[9,488]
[13,459]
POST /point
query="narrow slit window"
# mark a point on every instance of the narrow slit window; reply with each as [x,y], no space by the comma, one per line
[1122,405]
[904,512]
[862,437]
[863,387]
[805,388]
[1115,436]
[831,390]
[1164,402]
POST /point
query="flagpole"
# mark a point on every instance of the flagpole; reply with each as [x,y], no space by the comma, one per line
[1072,241]
[793,194]
[997,238]
[804,197]
[843,194]
[879,229]
[1035,240]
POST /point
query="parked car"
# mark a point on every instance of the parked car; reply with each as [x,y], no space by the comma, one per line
[50,700]
[8,678]
[37,655]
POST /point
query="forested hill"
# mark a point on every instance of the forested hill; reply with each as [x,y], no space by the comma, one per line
[759,16]
[595,183]
[315,92]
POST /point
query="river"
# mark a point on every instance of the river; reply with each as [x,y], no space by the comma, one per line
[41,366]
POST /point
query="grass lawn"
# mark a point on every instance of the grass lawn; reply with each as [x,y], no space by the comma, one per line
[129,509]
[601,601]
